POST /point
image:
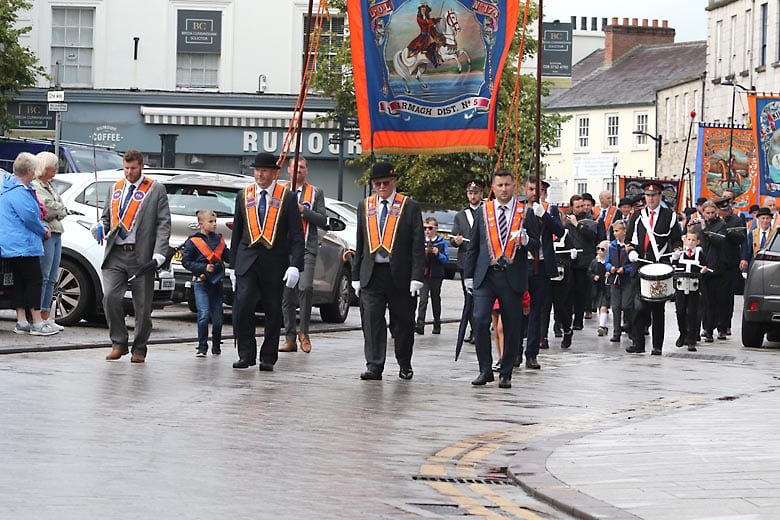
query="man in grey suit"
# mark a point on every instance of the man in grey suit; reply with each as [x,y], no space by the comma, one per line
[266,253]
[138,224]
[495,268]
[311,205]
[387,271]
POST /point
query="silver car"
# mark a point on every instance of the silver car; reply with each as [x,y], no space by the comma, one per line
[761,312]
[190,192]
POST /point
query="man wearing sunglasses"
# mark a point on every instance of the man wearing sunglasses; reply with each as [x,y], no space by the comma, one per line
[387,271]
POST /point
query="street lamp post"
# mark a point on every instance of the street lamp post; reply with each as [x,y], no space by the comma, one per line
[730,160]
[658,145]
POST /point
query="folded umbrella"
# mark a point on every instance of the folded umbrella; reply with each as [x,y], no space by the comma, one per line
[151,265]
[468,305]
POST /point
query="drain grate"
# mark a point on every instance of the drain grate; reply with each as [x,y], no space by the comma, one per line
[498,481]
[706,357]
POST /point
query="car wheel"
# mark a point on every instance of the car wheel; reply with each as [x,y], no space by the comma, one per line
[338,311]
[773,335]
[752,334]
[73,294]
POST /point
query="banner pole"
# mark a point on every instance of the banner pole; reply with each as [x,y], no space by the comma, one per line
[538,139]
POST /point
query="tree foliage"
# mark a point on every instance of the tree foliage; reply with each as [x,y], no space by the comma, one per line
[18,65]
[439,179]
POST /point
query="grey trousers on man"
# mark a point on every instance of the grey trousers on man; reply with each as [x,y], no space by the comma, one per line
[118,268]
[299,296]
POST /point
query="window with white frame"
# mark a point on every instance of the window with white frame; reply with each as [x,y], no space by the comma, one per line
[580,186]
[198,48]
[668,121]
[71,44]
[196,70]
[583,132]
[718,47]
[613,127]
[764,35]
[640,125]
[677,117]
[556,141]
[748,39]
[733,45]
[331,40]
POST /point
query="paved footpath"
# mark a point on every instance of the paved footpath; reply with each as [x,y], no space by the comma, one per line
[597,433]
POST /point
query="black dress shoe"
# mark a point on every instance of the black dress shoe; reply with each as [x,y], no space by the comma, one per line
[558,333]
[406,373]
[504,382]
[656,352]
[708,338]
[470,339]
[436,331]
[691,348]
[633,349]
[266,367]
[419,329]
[680,341]
[483,378]
[566,341]
[518,361]
[615,339]
[370,376]
[576,327]
[544,344]
[532,363]
[721,335]
[244,363]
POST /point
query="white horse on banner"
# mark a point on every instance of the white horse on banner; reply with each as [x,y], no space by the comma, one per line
[446,50]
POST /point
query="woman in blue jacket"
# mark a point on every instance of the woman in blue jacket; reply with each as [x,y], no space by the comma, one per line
[21,243]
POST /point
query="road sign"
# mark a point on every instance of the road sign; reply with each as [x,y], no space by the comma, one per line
[54,96]
[58,107]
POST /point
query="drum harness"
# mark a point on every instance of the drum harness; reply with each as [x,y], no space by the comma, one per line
[652,234]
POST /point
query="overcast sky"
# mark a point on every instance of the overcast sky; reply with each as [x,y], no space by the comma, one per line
[687,17]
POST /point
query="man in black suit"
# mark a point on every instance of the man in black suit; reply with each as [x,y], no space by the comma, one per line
[541,267]
[495,268]
[387,271]
[267,255]
[461,235]
[653,233]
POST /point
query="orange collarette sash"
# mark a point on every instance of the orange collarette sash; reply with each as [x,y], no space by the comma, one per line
[131,211]
[607,218]
[212,255]
[775,221]
[757,238]
[307,196]
[273,211]
[391,224]
[495,247]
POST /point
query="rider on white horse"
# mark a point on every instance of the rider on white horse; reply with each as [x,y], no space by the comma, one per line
[426,41]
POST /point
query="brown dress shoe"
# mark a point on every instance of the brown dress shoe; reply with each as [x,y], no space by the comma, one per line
[289,346]
[305,342]
[116,353]
[137,358]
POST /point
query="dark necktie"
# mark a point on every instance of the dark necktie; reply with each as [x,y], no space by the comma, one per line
[261,208]
[603,214]
[502,225]
[126,202]
[298,195]
[763,240]
[382,219]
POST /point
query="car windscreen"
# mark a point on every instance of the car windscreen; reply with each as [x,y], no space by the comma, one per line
[187,200]
[344,211]
[85,161]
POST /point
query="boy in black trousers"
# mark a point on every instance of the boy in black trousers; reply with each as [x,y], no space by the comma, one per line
[204,256]
[688,268]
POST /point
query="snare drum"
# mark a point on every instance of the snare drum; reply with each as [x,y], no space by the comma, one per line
[561,272]
[686,282]
[655,282]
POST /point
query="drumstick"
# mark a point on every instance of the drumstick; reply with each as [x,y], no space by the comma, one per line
[568,251]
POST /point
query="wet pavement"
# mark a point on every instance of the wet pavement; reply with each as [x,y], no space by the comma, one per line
[596,433]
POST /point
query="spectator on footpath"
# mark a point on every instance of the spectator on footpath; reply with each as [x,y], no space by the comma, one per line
[436,256]
[52,248]
[598,273]
[138,223]
[22,234]
[204,256]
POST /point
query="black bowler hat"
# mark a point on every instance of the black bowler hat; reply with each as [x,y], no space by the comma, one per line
[764,212]
[753,207]
[382,170]
[652,187]
[588,196]
[266,160]
[624,201]
[638,199]
[475,185]
[723,203]
[701,200]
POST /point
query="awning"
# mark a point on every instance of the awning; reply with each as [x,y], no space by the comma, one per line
[226,117]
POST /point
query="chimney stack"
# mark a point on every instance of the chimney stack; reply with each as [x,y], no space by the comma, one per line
[619,39]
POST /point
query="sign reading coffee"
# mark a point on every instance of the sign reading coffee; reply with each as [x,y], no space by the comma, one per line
[199,31]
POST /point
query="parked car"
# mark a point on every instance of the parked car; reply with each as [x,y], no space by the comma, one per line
[446,219]
[78,293]
[190,192]
[74,157]
[761,311]
[347,213]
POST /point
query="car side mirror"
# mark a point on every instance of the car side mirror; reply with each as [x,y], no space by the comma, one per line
[335,224]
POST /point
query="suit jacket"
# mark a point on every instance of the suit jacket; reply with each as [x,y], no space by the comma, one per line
[317,218]
[584,236]
[288,246]
[408,256]
[667,234]
[152,225]
[461,227]
[477,259]
[550,224]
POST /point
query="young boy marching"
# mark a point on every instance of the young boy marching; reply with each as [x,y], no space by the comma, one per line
[688,266]
[204,256]
[619,270]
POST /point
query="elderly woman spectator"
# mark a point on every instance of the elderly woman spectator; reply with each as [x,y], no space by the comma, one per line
[22,233]
[52,248]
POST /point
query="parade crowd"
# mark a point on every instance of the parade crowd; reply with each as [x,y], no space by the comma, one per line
[526,266]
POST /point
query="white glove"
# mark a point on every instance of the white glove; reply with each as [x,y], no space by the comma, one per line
[468,283]
[233,279]
[676,255]
[158,259]
[414,287]
[94,230]
[291,276]
[356,287]
[633,256]
[538,209]
[523,235]
[573,254]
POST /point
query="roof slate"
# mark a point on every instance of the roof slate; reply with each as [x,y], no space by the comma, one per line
[631,80]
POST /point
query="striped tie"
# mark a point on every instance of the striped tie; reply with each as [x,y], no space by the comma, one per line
[502,225]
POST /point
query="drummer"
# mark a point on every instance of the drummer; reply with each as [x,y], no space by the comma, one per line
[652,236]
[690,265]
